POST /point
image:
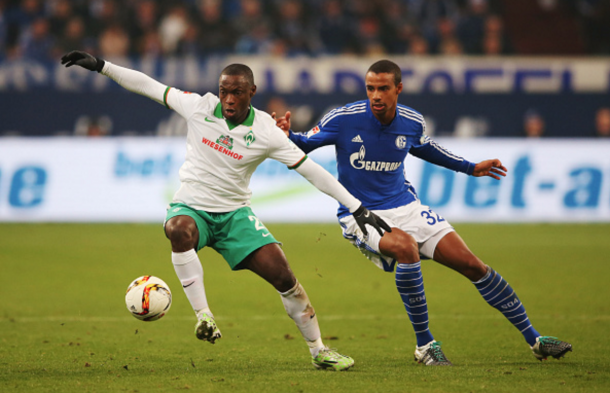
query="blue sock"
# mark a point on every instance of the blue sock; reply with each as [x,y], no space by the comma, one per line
[410,285]
[498,294]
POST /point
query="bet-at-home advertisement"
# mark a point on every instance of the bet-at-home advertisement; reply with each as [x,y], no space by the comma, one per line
[133,180]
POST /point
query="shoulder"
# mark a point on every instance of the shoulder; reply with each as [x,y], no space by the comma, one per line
[263,119]
[410,113]
[411,117]
[193,98]
[209,99]
[352,111]
[265,125]
[207,102]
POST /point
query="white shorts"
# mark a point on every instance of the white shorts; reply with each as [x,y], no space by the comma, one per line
[419,221]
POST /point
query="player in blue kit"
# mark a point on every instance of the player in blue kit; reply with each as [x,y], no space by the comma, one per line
[372,139]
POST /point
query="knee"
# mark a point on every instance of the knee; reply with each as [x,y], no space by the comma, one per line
[401,246]
[284,281]
[182,233]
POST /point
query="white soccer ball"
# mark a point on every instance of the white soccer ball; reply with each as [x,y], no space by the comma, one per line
[148,298]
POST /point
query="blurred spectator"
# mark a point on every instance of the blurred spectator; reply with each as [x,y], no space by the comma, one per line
[446,41]
[253,28]
[92,126]
[73,36]
[294,30]
[492,45]
[301,115]
[61,13]
[428,13]
[602,122]
[105,14]
[451,46]
[472,26]
[149,45]
[495,41]
[336,29]
[370,36]
[396,30]
[36,43]
[470,127]
[114,42]
[258,40]
[189,43]
[215,33]
[418,46]
[143,29]
[595,23]
[19,19]
[289,27]
[3,28]
[277,105]
[533,124]
[172,29]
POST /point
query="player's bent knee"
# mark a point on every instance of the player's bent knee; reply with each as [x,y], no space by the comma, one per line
[285,283]
[182,232]
[401,246]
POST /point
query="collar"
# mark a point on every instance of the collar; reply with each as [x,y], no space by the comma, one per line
[384,127]
[247,122]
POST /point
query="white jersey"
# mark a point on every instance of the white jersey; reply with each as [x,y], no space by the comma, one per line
[221,157]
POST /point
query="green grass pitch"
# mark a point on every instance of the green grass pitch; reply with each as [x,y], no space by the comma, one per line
[64,326]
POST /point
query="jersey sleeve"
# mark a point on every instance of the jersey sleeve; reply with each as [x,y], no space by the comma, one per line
[185,102]
[135,81]
[429,150]
[325,133]
[284,150]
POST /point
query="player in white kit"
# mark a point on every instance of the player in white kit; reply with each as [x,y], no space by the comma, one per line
[227,139]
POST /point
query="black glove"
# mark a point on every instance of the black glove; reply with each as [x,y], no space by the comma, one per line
[363,216]
[84,60]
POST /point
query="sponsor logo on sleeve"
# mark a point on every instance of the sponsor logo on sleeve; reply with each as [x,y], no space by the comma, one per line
[313,131]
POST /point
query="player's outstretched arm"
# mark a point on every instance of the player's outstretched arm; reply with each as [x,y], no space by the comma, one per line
[326,183]
[492,168]
[131,80]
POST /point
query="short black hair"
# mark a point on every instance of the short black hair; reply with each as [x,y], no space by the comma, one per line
[239,69]
[387,67]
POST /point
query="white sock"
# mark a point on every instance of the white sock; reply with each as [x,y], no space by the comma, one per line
[190,273]
[299,308]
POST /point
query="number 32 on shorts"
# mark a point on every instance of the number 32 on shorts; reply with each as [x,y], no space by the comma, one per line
[258,225]
[431,217]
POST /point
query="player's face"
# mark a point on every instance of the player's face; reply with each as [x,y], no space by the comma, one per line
[383,95]
[235,94]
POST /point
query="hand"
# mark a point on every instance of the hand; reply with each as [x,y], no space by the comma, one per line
[491,168]
[82,59]
[283,122]
[363,217]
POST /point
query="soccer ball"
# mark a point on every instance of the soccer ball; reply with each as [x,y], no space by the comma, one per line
[148,298]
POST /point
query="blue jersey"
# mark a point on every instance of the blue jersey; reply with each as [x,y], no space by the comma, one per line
[371,155]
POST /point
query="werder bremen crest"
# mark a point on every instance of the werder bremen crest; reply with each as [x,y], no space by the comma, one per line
[249,138]
[226,141]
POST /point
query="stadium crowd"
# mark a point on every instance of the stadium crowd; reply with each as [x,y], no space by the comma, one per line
[45,29]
